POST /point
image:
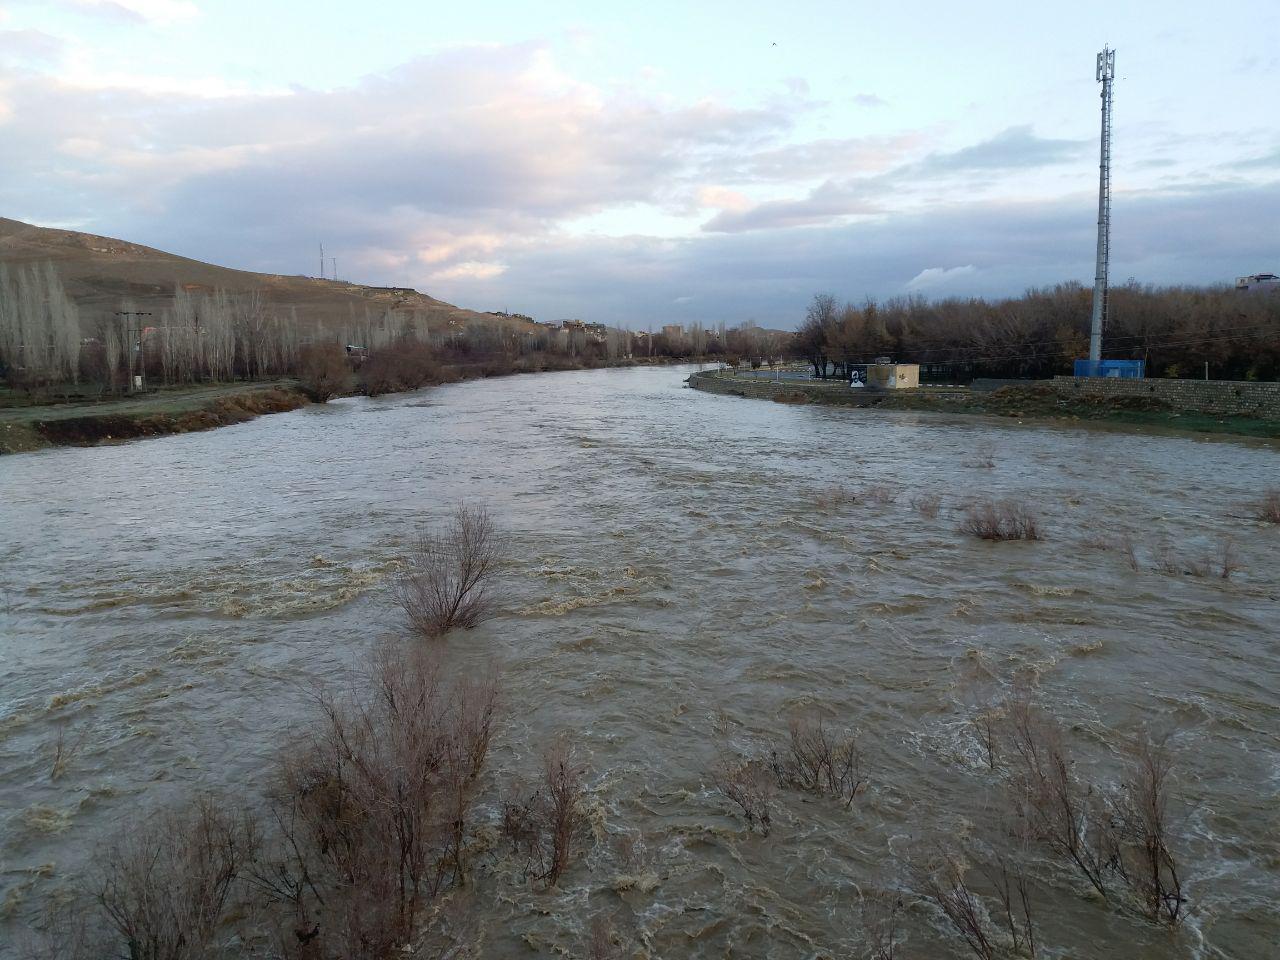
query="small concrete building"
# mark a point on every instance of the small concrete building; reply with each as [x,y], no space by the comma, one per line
[893,376]
[1258,281]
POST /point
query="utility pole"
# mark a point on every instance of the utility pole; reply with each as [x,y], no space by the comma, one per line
[135,382]
[335,267]
[322,261]
[1105,74]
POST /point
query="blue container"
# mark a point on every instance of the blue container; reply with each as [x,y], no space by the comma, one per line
[1125,369]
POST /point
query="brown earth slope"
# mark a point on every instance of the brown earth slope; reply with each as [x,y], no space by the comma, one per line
[100,273]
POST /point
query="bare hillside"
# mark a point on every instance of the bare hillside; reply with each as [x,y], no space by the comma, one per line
[100,273]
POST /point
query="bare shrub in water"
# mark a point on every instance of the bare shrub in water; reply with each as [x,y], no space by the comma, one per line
[943,882]
[542,826]
[1052,805]
[166,888]
[748,785]
[1178,562]
[373,812]
[1120,543]
[984,456]
[820,760]
[1268,508]
[449,578]
[1143,821]
[1001,520]
[878,495]
[882,924]
[926,504]
[835,497]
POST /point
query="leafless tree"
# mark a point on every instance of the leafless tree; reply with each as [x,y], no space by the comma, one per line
[165,887]
[449,576]
[372,815]
[323,371]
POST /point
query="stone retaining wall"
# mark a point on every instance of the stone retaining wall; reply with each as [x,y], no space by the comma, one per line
[1226,397]
[829,392]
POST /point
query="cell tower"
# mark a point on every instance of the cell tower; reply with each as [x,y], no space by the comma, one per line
[1105,75]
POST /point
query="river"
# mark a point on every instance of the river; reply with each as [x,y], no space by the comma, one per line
[673,592]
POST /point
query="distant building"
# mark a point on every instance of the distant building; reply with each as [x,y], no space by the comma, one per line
[673,330]
[884,375]
[1258,281]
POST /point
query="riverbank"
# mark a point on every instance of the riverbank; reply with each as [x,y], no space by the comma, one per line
[1035,401]
[169,411]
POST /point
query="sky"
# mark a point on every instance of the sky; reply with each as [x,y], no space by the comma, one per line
[665,162]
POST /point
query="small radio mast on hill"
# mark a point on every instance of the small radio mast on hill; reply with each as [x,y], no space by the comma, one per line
[322,261]
[1105,75]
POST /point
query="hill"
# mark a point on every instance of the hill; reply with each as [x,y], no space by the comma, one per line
[100,273]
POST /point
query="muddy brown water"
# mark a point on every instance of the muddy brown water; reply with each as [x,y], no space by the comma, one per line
[672,593]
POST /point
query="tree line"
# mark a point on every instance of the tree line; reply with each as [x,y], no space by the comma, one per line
[1176,330]
[48,348]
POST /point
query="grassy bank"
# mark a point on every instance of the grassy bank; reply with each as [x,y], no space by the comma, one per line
[1035,401]
[176,410]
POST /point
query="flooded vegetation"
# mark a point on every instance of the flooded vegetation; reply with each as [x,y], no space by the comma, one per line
[755,680]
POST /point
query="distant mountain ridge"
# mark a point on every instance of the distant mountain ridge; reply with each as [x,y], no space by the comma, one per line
[99,273]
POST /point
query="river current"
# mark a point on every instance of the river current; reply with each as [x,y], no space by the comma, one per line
[679,586]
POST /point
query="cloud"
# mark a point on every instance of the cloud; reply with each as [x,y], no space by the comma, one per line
[30,48]
[463,172]
[1268,161]
[824,202]
[470,270]
[1015,148]
[869,100]
[138,11]
[932,277]
[493,142]
[1188,238]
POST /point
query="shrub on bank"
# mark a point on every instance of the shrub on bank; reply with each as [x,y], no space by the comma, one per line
[323,371]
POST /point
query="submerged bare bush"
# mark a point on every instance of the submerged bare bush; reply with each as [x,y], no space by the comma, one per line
[1268,508]
[1116,839]
[1052,806]
[882,923]
[820,760]
[1001,520]
[926,504]
[984,456]
[448,580]
[835,497]
[165,889]
[1117,543]
[942,879]
[1180,562]
[1143,818]
[542,826]
[747,784]
[878,495]
[373,812]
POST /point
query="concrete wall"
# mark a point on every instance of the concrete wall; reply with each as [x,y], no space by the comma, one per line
[1204,396]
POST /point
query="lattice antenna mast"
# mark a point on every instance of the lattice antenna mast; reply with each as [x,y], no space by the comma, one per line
[1105,75]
